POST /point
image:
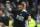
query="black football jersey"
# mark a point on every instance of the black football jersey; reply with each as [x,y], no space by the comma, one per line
[20,17]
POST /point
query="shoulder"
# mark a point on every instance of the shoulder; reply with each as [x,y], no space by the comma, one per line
[25,11]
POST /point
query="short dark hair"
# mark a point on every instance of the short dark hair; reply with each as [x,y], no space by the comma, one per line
[21,4]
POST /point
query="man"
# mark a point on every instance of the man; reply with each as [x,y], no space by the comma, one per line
[1,15]
[4,18]
[26,21]
[20,16]
[7,5]
[38,18]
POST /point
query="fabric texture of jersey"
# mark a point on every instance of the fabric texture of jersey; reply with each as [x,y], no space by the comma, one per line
[20,17]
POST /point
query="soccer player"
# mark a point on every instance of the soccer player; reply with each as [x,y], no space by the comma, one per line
[20,16]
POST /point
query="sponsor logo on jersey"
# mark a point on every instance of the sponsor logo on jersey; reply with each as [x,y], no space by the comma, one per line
[21,18]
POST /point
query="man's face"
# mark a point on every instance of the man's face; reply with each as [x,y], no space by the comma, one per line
[20,7]
[32,9]
[33,3]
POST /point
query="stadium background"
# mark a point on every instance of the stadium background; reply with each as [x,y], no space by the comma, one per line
[32,6]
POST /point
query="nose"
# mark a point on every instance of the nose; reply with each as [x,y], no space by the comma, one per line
[19,8]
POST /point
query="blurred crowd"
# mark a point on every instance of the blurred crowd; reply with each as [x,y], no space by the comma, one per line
[32,6]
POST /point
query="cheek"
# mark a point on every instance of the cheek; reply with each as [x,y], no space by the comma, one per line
[21,7]
[1,13]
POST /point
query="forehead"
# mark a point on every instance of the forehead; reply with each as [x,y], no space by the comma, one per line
[20,6]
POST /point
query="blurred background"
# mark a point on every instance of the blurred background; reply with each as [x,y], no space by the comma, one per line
[32,6]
